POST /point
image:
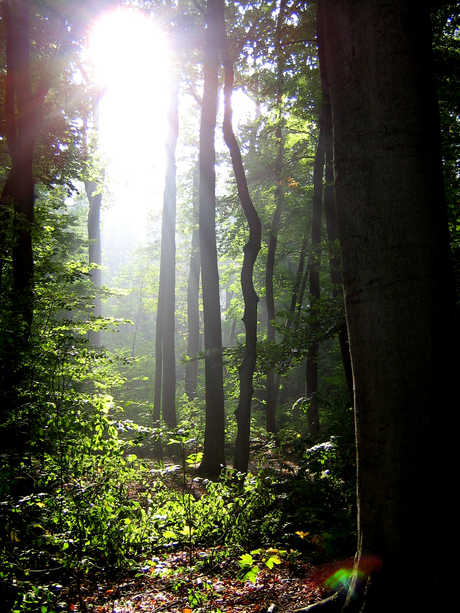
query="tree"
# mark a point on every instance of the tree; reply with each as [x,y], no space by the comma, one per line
[94,194]
[311,376]
[213,451]
[399,297]
[193,306]
[21,114]
[165,367]
[335,268]
[272,388]
[251,250]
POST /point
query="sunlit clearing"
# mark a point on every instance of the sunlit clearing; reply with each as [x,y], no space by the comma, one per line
[130,58]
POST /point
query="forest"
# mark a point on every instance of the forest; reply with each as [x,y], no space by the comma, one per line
[228,318]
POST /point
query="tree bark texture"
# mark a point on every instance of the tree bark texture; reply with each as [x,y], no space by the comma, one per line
[20,123]
[335,266]
[165,376]
[213,451]
[250,250]
[398,292]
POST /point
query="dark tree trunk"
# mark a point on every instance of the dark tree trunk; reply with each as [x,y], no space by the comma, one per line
[251,250]
[95,253]
[270,302]
[193,312]
[20,124]
[165,361]
[311,376]
[296,295]
[271,385]
[21,112]
[399,298]
[213,452]
[332,230]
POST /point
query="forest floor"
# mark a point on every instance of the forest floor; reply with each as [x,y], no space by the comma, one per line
[171,583]
[283,588]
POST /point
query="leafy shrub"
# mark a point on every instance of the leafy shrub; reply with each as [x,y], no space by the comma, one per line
[323,496]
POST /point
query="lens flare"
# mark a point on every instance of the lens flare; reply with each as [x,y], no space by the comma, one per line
[338,576]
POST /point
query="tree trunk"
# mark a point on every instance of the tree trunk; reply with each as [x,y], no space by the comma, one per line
[335,266]
[193,312]
[213,452]
[398,293]
[311,375]
[272,387]
[165,361]
[251,250]
[20,124]
[95,253]
[292,308]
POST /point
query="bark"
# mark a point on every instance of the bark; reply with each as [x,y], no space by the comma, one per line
[311,376]
[251,250]
[273,239]
[95,253]
[20,122]
[398,287]
[213,451]
[193,312]
[335,266]
[165,361]
[21,113]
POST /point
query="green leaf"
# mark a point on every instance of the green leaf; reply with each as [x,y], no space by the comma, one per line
[272,560]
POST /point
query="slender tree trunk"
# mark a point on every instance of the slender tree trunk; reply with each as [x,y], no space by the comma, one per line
[269,296]
[311,375]
[193,312]
[158,356]
[213,452]
[399,297]
[251,250]
[95,253]
[273,239]
[294,303]
[165,361]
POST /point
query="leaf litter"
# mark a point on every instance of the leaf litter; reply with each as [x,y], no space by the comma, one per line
[166,584]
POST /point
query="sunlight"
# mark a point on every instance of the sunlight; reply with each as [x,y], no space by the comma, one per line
[130,59]
[244,108]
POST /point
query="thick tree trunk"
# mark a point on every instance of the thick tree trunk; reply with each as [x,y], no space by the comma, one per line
[213,452]
[399,295]
[20,124]
[335,266]
[95,252]
[193,312]
[165,361]
[251,250]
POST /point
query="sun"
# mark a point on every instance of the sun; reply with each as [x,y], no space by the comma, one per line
[130,58]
